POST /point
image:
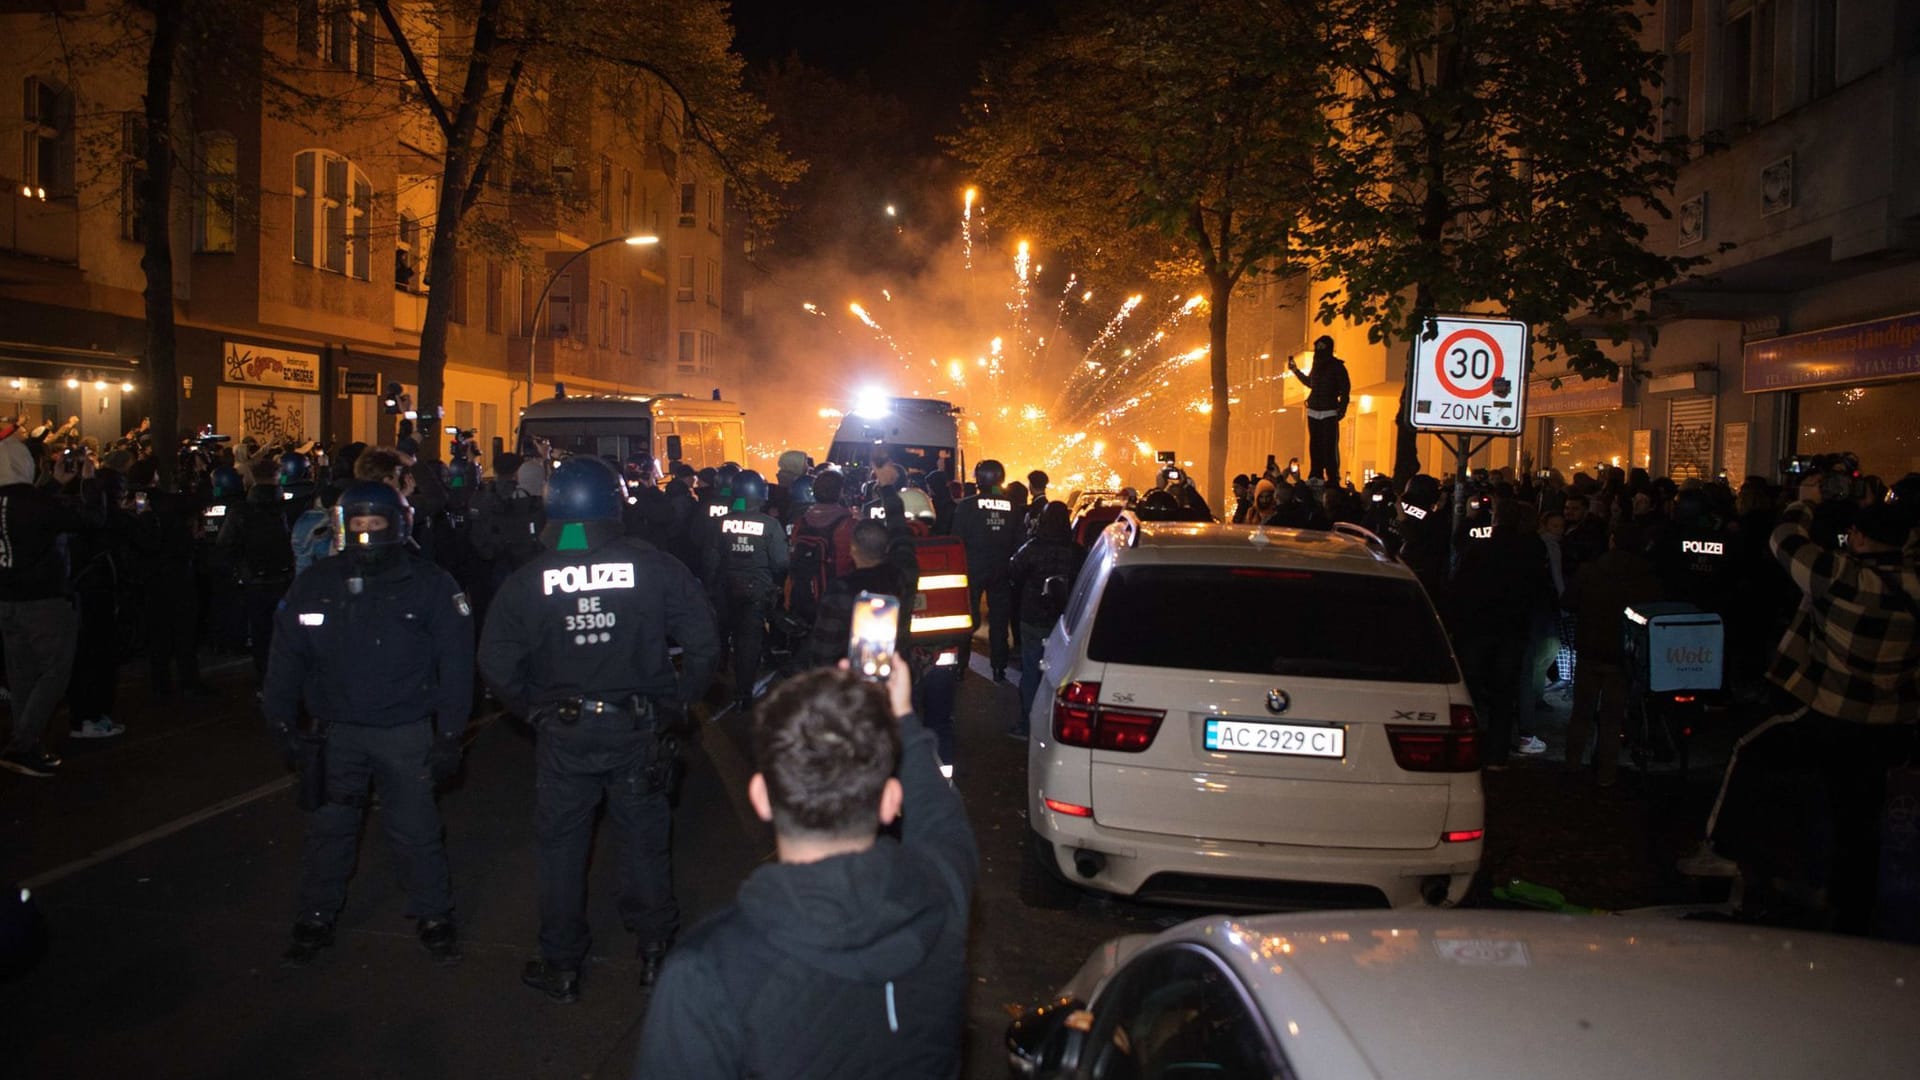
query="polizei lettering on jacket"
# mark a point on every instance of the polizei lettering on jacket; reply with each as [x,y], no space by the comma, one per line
[1702,547]
[591,577]
[743,526]
[996,504]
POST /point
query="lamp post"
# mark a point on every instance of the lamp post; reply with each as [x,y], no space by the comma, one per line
[533,339]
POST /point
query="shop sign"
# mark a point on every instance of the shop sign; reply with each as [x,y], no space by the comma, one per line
[266,365]
[1575,395]
[1882,349]
[359,382]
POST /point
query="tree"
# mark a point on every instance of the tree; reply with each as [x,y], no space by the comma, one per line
[608,53]
[1178,133]
[1500,153]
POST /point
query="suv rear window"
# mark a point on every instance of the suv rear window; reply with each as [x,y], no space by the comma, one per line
[1270,621]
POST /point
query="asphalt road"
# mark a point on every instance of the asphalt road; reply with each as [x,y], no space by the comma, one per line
[165,861]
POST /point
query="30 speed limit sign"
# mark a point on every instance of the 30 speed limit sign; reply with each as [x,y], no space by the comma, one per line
[1471,376]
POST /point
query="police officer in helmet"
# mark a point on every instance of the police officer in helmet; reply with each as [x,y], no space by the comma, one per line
[746,564]
[376,648]
[576,642]
[991,527]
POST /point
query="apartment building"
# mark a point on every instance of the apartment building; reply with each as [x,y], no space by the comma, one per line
[302,241]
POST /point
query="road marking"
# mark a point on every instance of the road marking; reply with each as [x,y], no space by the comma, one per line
[161,832]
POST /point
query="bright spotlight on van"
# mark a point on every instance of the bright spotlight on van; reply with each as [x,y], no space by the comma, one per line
[871,404]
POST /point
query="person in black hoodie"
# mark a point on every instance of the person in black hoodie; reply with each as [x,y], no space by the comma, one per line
[847,957]
[872,572]
[1051,553]
[38,619]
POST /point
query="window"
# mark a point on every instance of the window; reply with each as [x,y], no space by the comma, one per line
[606,317]
[626,201]
[1871,421]
[1736,66]
[1679,85]
[331,205]
[606,192]
[1351,626]
[1822,41]
[218,205]
[494,301]
[685,289]
[623,330]
[686,359]
[1178,1012]
[713,282]
[713,208]
[457,282]
[560,307]
[689,202]
[341,33]
[709,350]
[528,298]
[47,148]
[133,170]
[409,254]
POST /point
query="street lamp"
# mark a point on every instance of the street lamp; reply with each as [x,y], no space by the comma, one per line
[533,339]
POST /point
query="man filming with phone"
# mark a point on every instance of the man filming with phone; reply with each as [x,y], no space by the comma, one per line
[1328,388]
[847,956]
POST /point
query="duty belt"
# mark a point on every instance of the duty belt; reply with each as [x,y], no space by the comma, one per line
[570,711]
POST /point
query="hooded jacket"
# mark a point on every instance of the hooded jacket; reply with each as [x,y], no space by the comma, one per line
[853,966]
[33,554]
[1049,554]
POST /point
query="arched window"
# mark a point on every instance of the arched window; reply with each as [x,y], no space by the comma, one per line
[332,206]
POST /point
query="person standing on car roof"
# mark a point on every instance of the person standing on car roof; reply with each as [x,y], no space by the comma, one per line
[576,643]
[1328,389]
[987,525]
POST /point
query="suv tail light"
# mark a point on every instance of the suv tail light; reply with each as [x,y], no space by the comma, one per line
[1080,720]
[1454,748]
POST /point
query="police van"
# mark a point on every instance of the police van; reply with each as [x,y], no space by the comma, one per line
[702,433]
[920,434]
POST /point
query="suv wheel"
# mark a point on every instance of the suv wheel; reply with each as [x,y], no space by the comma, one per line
[1041,885]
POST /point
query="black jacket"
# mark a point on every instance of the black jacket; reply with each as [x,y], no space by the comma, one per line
[1328,386]
[595,624]
[33,552]
[1037,560]
[398,651]
[834,623]
[853,966]
[991,529]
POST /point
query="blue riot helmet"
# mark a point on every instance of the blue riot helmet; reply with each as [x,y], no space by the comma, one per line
[988,475]
[296,475]
[226,484]
[800,495]
[749,490]
[584,504]
[371,521]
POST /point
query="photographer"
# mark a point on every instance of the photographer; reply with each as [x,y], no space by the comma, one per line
[847,957]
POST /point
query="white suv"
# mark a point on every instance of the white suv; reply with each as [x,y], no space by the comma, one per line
[1263,717]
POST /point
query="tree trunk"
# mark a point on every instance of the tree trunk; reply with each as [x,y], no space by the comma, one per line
[156,211]
[1220,286]
[442,256]
[1406,445]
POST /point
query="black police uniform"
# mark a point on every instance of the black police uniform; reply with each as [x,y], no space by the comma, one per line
[990,527]
[745,566]
[576,642]
[379,666]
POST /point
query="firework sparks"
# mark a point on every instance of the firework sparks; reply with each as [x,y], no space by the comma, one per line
[966,225]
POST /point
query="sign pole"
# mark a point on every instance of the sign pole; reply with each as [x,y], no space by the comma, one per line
[1462,454]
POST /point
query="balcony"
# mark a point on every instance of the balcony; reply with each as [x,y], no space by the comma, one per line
[41,228]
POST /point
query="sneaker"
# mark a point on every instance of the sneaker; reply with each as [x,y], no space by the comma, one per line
[1706,862]
[560,984]
[308,939]
[440,940]
[34,762]
[1530,744]
[100,727]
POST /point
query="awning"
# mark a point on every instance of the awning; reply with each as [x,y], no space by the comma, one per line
[54,356]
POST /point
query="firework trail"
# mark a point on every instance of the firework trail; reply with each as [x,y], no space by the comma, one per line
[966,226]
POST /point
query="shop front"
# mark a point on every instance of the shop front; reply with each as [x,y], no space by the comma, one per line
[268,391]
[1584,425]
[1852,389]
[49,385]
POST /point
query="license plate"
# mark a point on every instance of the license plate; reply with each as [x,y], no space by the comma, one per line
[1259,737]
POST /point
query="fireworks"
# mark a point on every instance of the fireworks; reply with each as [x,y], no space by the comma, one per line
[966,226]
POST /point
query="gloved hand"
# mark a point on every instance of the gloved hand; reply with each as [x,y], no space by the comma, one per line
[443,760]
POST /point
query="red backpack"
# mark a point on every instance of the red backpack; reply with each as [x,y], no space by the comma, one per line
[816,555]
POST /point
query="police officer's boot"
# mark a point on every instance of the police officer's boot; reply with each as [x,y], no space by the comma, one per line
[560,984]
[440,940]
[651,956]
[309,937]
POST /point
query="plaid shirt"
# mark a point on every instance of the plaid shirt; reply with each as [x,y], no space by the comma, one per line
[1853,649]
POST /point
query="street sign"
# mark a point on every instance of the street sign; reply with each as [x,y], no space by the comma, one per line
[359,382]
[1471,377]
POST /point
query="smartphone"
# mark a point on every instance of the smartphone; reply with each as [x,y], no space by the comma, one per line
[876,631]
[1167,457]
[140,502]
[1273,464]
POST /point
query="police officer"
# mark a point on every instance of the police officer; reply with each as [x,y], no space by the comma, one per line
[576,642]
[377,647]
[990,526]
[746,565]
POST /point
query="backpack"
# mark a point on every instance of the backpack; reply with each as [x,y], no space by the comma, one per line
[815,557]
[266,545]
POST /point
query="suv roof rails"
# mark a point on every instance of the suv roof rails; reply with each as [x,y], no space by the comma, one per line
[1129,523]
[1366,536]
